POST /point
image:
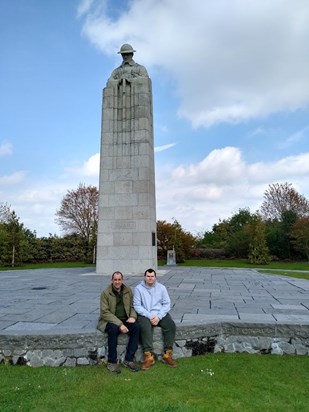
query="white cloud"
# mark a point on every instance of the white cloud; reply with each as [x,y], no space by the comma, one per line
[197,195]
[90,168]
[164,147]
[291,167]
[231,61]
[200,194]
[162,127]
[35,203]
[6,149]
[224,165]
[40,195]
[296,137]
[14,178]
[83,7]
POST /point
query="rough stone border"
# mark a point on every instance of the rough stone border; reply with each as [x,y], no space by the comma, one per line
[53,348]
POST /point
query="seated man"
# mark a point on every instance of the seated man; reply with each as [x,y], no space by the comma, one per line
[152,303]
[118,316]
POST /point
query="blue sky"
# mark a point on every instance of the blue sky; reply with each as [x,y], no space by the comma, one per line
[230,94]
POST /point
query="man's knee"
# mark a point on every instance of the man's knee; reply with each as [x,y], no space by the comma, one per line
[136,326]
[112,329]
[133,327]
[173,325]
[167,323]
[143,322]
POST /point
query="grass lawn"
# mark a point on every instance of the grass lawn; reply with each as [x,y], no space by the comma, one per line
[215,382]
[56,265]
[292,269]
[291,274]
[239,263]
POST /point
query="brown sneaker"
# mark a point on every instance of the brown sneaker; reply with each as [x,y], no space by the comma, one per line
[113,368]
[131,365]
[148,361]
[167,358]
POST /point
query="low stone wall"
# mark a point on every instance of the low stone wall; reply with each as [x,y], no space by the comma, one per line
[77,349]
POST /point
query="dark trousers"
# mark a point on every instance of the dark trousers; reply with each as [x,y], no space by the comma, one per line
[113,332]
[168,331]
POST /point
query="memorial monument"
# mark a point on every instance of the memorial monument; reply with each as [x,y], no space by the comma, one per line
[127,205]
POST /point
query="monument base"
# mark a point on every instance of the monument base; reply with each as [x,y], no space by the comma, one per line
[125,266]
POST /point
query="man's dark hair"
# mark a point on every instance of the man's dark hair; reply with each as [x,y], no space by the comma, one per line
[150,271]
[117,273]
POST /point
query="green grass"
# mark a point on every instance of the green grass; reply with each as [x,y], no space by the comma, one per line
[281,268]
[291,269]
[56,265]
[216,382]
[194,262]
[291,274]
[245,264]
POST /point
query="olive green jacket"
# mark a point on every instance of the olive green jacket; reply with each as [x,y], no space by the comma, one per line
[108,307]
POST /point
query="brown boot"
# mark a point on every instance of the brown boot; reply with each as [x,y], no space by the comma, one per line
[148,361]
[167,358]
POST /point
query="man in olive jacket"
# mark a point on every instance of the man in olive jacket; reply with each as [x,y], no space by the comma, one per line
[117,315]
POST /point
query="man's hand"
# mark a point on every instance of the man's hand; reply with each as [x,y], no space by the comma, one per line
[131,320]
[123,329]
[154,320]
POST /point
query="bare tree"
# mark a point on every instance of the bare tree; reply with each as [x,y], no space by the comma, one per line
[280,198]
[5,212]
[78,212]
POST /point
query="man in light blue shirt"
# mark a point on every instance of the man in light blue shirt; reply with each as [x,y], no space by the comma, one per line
[152,304]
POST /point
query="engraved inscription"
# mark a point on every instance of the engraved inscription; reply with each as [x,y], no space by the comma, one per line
[124,225]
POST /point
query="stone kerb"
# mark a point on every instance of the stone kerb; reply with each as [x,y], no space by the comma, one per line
[90,348]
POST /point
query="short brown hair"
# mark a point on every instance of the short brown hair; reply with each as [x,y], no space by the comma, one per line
[117,273]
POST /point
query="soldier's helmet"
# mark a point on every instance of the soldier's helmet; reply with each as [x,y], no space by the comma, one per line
[126,49]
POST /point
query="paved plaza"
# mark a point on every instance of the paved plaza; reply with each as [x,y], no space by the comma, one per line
[67,300]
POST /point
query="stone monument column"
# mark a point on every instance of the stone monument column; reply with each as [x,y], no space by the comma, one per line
[127,205]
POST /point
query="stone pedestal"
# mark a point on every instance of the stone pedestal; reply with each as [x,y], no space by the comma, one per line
[127,206]
[171,257]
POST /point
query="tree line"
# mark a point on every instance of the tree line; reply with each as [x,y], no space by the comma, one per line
[279,230]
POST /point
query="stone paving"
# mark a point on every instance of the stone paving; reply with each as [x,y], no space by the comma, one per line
[67,300]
